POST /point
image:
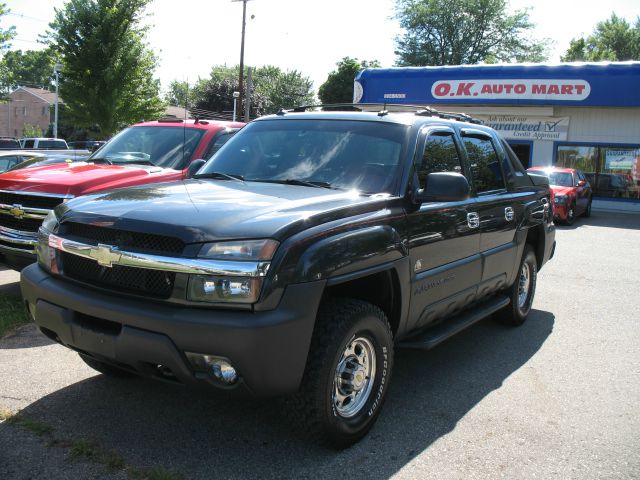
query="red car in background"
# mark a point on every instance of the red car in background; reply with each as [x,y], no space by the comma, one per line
[144,153]
[571,193]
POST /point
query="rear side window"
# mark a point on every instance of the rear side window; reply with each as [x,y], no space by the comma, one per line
[28,143]
[485,165]
[52,144]
[218,142]
[440,155]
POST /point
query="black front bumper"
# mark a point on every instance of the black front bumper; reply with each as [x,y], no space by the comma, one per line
[268,349]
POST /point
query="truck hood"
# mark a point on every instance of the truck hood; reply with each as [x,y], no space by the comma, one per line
[81,177]
[206,210]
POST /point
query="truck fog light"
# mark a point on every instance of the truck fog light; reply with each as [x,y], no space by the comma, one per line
[217,367]
[224,372]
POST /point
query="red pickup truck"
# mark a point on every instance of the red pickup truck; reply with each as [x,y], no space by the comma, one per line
[147,152]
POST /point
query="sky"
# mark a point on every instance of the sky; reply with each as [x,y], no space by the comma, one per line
[190,36]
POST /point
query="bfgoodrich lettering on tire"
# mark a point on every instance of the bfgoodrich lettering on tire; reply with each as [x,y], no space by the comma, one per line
[347,374]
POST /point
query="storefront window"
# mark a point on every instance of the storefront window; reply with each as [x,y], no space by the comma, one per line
[612,171]
[574,156]
[620,172]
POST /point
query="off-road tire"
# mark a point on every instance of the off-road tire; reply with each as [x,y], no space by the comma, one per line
[517,311]
[105,368]
[313,409]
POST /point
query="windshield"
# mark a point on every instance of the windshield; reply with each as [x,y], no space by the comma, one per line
[337,153]
[562,179]
[167,147]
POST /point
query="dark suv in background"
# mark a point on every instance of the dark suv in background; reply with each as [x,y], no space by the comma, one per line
[298,258]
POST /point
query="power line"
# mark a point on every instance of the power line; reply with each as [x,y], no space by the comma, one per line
[27,17]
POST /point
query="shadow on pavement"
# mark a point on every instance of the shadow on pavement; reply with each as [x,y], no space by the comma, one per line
[27,336]
[605,219]
[205,434]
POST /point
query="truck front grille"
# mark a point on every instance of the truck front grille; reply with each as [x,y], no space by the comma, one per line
[153,283]
[21,224]
[124,240]
[32,201]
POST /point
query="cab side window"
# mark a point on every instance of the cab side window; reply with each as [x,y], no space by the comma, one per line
[485,164]
[218,142]
[440,155]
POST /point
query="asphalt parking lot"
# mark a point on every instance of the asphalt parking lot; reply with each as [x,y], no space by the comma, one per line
[556,398]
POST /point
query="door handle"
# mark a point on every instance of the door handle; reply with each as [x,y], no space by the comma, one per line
[473,220]
[508,214]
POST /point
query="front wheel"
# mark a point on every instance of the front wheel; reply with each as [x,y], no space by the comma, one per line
[571,214]
[522,291]
[587,212]
[347,374]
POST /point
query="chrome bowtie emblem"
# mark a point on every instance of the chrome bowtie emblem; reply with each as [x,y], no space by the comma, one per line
[105,255]
[17,211]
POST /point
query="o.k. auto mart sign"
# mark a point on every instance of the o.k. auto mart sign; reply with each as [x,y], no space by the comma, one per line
[512,89]
[518,127]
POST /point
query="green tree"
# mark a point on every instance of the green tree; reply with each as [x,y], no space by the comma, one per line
[216,94]
[272,89]
[458,32]
[613,39]
[107,71]
[32,131]
[5,36]
[282,89]
[338,88]
[180,94]
[32,67]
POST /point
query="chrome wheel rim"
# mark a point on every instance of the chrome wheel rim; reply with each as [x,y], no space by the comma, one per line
[354,377]
[524,284]
[571,214]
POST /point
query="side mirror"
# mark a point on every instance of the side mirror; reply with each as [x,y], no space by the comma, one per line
[194,167]
[539,180]
[581,183]
[444,187]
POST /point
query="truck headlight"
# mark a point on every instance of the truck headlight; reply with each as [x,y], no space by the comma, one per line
[50,222]
[46,255]
[560,199]
[239,250]
[231,288]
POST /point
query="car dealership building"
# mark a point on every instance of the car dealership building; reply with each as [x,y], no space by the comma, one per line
[581,115]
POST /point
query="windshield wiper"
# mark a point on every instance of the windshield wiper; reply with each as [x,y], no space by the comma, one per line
[221,176]
[295,181]
[100,160]
[137,161]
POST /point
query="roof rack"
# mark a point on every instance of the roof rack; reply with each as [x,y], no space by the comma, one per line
[421,110]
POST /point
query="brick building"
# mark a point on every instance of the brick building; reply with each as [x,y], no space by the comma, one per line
[26,106]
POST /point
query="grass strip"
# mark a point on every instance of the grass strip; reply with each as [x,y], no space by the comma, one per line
[87,451]
[12,313]
[39,428]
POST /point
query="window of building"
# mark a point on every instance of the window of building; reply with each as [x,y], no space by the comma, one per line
[611,170]
[485,165]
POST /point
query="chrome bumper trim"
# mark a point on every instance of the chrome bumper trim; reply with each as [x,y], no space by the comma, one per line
[107,256]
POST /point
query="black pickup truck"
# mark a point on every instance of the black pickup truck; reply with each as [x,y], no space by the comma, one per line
[298,258]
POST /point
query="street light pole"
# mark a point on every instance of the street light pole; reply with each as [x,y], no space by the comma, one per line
[56,69]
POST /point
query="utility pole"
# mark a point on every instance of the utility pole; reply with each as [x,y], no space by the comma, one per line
[56,69]
[241,76]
